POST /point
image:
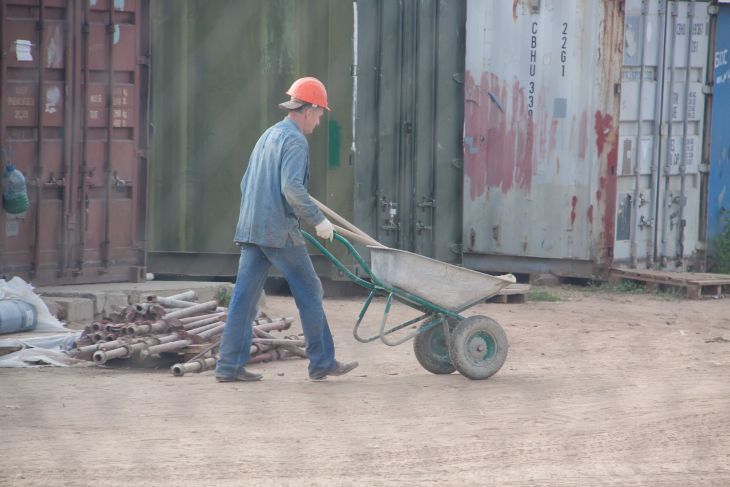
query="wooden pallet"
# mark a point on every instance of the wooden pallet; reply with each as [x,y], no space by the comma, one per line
[514,293]
[697,285]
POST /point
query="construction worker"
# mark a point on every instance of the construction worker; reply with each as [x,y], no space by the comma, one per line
[274,199]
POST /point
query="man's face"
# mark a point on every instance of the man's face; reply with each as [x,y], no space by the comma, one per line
[311,119]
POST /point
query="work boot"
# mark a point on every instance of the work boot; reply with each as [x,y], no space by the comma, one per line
[243,376]
[340,368]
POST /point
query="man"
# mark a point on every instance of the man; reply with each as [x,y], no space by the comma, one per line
[274,199]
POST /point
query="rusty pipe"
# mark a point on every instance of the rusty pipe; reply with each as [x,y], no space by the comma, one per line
[102,356]
[184,296]
[292,348]
[282,324]
[173,303]
[193,310]
[199,365]
[279,342]
[207,321]
[190,319]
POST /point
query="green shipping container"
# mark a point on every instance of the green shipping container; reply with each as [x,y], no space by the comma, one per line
[392,69]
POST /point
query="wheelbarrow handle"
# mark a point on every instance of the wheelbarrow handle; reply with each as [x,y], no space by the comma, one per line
[358,258]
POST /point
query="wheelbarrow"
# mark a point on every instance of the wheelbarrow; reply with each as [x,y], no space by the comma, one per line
[444,340]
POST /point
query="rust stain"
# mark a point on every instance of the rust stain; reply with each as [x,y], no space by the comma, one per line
[514,9]
[603,127]
[498,145]
[553,135]
[583,136]
[573,204]
[590,214]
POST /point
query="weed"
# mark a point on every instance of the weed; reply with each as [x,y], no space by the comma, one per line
[223,296]
[540,295]
[720,250]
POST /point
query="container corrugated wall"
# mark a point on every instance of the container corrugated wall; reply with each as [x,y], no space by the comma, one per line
[73,120]
[584,135]
[541,134]
[219,70]
[719,191]
[408,158]
[661,182]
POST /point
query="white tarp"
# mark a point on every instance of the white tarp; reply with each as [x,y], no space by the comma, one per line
[42,350]
[17,288]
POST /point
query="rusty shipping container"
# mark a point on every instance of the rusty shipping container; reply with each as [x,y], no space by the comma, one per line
[74,78]
[556,96]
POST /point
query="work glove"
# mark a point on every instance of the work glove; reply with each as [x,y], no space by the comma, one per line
[325,230]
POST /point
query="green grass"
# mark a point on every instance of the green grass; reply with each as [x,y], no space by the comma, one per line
[720,251]
[627,286]
[223,296]
[541,295]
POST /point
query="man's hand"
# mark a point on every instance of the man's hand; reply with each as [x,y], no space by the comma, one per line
[325,230]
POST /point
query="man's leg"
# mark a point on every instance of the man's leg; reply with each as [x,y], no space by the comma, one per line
[296,266]
[253,267]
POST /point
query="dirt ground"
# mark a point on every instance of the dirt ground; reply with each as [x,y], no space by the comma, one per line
[598,388]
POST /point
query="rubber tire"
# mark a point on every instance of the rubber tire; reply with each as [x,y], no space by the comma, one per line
[473,332]
[426,347]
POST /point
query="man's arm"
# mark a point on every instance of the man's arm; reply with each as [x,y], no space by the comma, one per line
[293,173]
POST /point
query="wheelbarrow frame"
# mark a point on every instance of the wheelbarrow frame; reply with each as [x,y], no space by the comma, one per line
[433,314]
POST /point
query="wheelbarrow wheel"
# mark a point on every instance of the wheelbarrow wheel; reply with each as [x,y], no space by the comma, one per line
[432,351]
[478,347]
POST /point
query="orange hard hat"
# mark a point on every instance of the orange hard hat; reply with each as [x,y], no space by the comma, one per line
[306,90]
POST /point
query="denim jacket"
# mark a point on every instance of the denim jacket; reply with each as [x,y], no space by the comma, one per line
[274,189]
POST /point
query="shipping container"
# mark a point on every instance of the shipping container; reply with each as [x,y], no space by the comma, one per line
[394,73]
[73,119]
[661,175]
[557,95]
[541,122]
[220,68]
[719,191]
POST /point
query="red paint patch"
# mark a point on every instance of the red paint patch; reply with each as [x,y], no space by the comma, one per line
[573,204]
[553,135]
[498,143]
[583,136]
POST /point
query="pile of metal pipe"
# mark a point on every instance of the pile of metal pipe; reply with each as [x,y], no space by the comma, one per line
[265,347]
[176,325]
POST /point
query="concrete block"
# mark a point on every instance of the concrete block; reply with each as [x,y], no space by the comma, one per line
[109,302]
[72,310]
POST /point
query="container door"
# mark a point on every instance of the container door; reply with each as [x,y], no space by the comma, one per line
[408,123]
[73,119]
[659,199]
[540,135]
[718,207]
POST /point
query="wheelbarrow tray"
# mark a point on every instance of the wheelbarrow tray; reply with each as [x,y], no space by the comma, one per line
[446,285]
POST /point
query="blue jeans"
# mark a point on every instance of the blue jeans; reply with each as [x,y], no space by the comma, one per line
[253,267]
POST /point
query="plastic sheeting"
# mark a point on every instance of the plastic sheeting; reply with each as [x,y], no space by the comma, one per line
[40,351]
[17,288]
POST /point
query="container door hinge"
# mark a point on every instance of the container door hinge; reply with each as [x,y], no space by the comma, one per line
[708,89]
[713,9]
[458,77]
[143,60]
[457,162]
[456,248]
[354,70]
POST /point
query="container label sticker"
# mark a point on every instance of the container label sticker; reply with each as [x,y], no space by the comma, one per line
[12,228]
[22,50]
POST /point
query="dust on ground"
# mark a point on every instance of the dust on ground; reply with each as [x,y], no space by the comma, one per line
[598,388]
